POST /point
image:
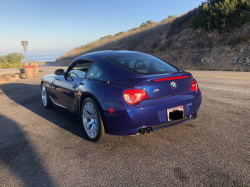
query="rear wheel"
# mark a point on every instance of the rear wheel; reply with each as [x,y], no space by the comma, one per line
[92,121]
[45,99]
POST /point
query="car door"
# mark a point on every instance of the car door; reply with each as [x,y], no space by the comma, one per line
[65,87]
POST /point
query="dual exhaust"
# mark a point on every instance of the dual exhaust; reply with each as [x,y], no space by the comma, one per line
[149,130]
[145,130]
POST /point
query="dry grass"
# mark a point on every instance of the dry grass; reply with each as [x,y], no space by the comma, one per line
[174,41]
[121,41]
[238,37]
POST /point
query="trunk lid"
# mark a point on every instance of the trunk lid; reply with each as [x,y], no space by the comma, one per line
[166,85]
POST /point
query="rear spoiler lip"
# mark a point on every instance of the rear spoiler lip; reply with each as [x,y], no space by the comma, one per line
[172,78]
[134,81]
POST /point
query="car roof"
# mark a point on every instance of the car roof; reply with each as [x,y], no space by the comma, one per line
[109,53]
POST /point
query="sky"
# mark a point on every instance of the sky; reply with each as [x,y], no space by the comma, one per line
[57,26]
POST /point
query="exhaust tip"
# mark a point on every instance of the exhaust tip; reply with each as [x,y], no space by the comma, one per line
[145,130]
[142,131]
[194,116]
[148,130]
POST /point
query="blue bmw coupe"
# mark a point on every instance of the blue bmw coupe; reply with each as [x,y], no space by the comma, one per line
[122,93]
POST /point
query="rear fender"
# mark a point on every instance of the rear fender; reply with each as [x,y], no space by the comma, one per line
[92,96]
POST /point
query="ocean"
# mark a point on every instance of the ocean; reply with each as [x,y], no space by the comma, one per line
[42,57]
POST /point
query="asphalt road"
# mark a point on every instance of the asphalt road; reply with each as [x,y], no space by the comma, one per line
[40,147]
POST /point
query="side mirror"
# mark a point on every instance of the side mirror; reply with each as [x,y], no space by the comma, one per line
[59,72]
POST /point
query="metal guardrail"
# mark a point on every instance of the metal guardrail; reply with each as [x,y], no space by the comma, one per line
[7,75]
[10,71]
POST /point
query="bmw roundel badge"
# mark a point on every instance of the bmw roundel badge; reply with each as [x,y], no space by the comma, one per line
[173,85]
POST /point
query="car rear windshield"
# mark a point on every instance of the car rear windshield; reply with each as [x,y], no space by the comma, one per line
[142,63]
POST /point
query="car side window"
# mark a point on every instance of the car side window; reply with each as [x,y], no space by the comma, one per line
[77,73]
[131,63]
[159,67]
[94,72]
[79,69]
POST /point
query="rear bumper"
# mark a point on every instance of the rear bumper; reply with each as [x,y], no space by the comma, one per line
[127,119]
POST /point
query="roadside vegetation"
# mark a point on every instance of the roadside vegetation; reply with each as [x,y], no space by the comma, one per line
[223,15]
[12,60]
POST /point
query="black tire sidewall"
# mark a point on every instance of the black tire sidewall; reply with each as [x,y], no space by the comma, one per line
[100,122]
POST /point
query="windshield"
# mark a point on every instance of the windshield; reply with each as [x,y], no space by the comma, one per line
[142,63]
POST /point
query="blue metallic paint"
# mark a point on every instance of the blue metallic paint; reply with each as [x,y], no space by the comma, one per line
[129,119]
[126,119]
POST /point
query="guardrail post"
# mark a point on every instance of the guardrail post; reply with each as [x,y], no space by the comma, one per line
[1,79]
[7,77]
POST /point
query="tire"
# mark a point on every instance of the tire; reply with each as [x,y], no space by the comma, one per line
[45,98]
[92,121]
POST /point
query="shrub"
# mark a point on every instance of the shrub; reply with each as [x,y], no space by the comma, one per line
[149,22]
[134,29]
[86,47]
[12,60]
[181,23]
[238,38]
[171,16]
[119,33]
[200,44]
[108,36]
[168,18]
[222,14]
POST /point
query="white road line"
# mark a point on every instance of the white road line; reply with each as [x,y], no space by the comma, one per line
[244,91]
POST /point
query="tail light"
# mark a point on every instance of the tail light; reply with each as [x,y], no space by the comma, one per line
[194,86]
[134,96]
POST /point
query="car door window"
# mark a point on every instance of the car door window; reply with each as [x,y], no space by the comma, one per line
[77,73]
[80,69]
[95,72]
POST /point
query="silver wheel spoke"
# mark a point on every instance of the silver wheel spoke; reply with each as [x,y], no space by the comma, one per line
[89,124]
[92,110]
[92,130]
[95,128]
[86,114]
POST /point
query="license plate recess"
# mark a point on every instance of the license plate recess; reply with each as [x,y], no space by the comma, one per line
[175,113]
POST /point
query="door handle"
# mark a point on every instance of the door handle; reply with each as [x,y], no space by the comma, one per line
[75,86]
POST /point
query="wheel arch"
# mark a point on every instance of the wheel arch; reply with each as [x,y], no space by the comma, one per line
[47,80]
[92,96]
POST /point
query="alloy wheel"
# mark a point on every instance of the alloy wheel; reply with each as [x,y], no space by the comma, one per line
[44,95]
[90,120]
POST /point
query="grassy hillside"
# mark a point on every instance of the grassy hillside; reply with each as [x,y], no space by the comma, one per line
[183,42]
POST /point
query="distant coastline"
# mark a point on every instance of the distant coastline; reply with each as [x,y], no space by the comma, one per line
[42,57]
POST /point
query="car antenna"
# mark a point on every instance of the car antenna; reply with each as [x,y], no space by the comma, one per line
[108,79]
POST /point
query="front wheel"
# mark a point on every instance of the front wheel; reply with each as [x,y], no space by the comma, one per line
[92,121]
[45,98]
